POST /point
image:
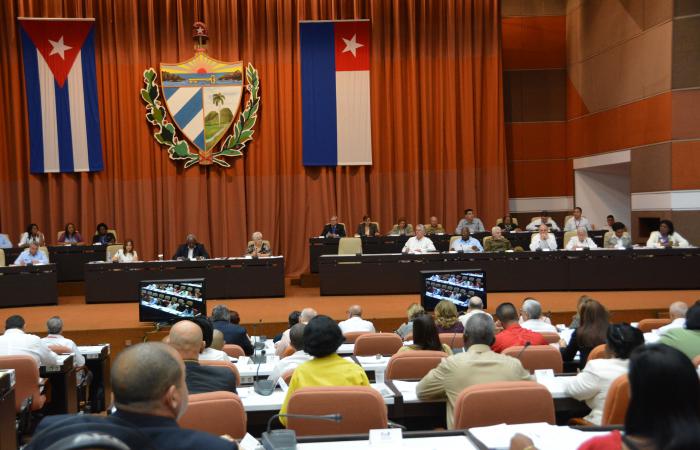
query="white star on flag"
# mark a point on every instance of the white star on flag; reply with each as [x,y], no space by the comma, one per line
[59,48]
[351,45]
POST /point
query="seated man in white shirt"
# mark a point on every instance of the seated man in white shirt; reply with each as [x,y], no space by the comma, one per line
[543,240]
[281,345]
[419,243]
[476,306]
[16,342]
[578,221]
[531,314]
[296,337]
[466,243]
[355,322]
[55,327]
[676,312]
[544,219]
[32,255]
[581,241]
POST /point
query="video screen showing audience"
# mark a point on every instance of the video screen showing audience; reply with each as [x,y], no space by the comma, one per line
[456,286]
[171,300]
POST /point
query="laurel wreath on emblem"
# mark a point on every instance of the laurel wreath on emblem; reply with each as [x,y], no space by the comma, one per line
[166,134]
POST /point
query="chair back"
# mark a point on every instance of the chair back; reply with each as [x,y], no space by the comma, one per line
[510,402]
[599,352]
[485,240]
[452,240]
[537,357]
[512,219]
[351,337]
[566,219]
[606,238]
[646,325]
[289,351]
[43,249]
[26,380]
[233,350]
[217,413]
[2,258]
[6,236]
[568,235]
[361,407]
[58,234]
[60,349]
[616,402]
[112,250]
[453,340]
[551,337]
[114,232]
[412,364]
[228,364]
[377,344]
[350,246]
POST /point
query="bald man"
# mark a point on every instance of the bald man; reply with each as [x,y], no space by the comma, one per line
[355,322]
[281,345]
[150,395]
[186,338]
[676,312]
[191,249]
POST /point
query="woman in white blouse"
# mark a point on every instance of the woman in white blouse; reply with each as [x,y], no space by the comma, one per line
[581,240]
[592,384]
[666,237]
[126,254]
[31,236]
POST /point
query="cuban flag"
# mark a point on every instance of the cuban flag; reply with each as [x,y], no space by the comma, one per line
[61,83]
[335,93]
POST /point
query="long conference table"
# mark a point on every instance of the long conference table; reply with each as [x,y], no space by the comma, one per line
[28,285]
[319,246]
[224,277]
[638,269]
[69,259]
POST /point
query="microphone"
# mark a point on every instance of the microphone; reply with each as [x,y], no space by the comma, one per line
[527,344]
[287,439]
[259,344]
[263,387]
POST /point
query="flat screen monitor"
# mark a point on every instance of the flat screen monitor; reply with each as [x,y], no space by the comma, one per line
[171,300]
[456,286]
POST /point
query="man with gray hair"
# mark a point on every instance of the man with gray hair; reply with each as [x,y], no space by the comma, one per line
[355,322]
[296,336]
[419,243]
[228,322]
[191,249]
[306,315]
[476,306]
[676,312]
[150,395]
[55,328]
[531,317]
[477,365]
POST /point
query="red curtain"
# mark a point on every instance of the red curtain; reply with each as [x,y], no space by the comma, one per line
[437,125]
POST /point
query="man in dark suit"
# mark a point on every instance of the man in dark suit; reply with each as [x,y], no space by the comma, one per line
[186,337]
[222,320]
[191,249]
[150,394]
[333,229]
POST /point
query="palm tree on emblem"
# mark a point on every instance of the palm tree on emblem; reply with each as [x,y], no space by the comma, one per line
[218,100]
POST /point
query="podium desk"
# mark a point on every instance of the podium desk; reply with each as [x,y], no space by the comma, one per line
[225,277]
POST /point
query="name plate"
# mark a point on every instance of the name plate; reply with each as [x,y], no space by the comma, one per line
[385,436]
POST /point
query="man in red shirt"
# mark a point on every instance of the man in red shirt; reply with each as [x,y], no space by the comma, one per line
[513,334]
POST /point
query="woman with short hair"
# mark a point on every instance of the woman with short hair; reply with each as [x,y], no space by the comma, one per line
[322,337]
[414,310]
[447,319]
[666,237]
[258,247]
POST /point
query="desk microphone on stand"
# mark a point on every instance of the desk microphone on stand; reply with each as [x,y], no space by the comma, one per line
[263,387]
[287,439]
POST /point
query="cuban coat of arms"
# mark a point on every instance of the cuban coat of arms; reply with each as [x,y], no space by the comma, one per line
[202,97]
